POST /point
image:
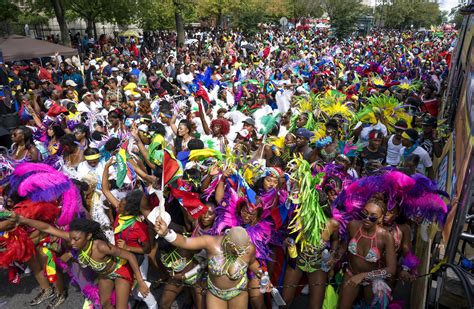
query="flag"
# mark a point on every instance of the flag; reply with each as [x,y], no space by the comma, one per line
[279,215]
[241,187]
[121,159]
[155,149]
[124,222]
[198,155]
[189,200]
[50,269]
[171,168]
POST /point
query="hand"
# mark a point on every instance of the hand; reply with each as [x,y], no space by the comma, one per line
[143,288]
[110,162]
[134,132]
[121,244]
[406,276]
[29,109]
[160,226]
[215,169]
[14,217]
[356,280]
[227,172]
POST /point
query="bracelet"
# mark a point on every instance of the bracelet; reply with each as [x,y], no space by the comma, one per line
[171,236]
[377,274]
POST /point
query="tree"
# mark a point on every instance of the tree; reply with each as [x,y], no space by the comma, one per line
[403,14]
[154,15]
[343,14]
[216,8]
[60,17]
[304,8]
[183,10]
[9,11]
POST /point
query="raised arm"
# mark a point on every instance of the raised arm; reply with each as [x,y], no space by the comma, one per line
[178,240]
[202,116]
[106,187]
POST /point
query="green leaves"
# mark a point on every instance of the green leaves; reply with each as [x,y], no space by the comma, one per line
[403,14]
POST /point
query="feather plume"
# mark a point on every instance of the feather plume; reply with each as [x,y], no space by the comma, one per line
[71,206]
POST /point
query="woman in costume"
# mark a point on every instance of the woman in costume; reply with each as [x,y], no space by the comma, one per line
[82,134]
[234,211]
[73,155]
[54,133]
[315,247]
[116,267]
[36,189]
[131,234]
[230,256]
[401,233]
[372,257]
[23,148]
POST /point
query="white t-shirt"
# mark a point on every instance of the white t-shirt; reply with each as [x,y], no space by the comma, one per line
[84,108]
[84,168]
[184,79]
[393,152]
[425,160]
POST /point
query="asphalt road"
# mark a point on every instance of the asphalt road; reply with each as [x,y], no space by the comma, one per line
[18,296]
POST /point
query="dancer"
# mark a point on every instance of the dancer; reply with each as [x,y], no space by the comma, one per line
[369,249]
[229,258]
[116,267]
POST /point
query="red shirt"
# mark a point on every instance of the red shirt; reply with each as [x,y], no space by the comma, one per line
[134,236]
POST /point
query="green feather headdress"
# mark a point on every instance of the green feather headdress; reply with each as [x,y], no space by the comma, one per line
[309,221]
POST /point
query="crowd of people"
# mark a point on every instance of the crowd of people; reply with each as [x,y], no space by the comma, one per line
[236,167]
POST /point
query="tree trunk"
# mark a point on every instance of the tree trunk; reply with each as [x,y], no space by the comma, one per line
[219,18]
[89,27]
[59,12]
[95,30]
[179,28]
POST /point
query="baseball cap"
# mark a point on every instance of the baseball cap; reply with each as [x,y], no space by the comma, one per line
[429,121]
[411,135]
[249,121]
[71,83]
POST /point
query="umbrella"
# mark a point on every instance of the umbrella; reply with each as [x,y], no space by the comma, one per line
[248,47]
[190,41]
[130,33]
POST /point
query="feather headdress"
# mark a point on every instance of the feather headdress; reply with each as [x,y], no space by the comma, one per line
[309,220]
[227,216]
[388,106]
[42,183]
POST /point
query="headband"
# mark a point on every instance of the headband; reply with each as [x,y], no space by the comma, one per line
[92,157]
[400,128]
[273,171]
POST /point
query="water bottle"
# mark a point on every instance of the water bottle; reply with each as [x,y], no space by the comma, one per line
[264,281]
[325,256]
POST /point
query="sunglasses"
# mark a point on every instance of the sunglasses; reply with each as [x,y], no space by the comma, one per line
[367,217]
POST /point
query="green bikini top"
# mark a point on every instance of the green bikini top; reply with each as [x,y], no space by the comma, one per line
[85,260]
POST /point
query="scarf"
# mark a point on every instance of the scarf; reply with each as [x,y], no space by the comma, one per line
[409,151]
[124,222]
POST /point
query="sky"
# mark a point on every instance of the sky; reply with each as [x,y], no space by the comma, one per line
[447,5]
